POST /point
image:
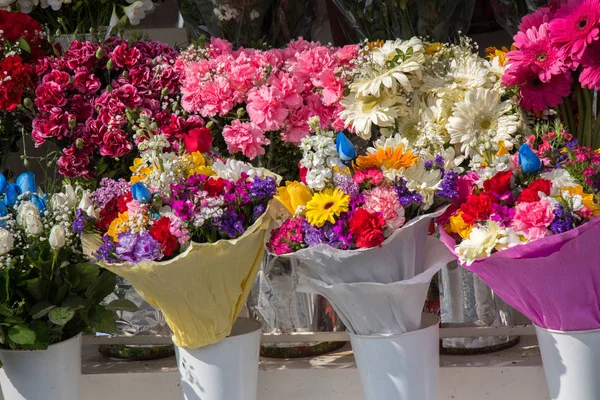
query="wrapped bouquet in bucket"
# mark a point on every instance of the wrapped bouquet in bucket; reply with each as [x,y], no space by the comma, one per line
[188,233]
[528,227]
[361,231]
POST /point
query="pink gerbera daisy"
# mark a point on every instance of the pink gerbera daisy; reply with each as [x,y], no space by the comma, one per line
[590,74]
[536,95]
[536,51]
[535,19]
[575,25]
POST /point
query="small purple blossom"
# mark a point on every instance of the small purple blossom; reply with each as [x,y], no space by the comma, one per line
[80,221]
[230,225]
[105,250]
[135,247]
[258,210]
[347,185]
[108,190]
[502,214]
[263,188]
[449,186]
[405,195]
[563,220]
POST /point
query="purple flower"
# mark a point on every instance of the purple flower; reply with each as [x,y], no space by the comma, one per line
[313,236]
[563,220]
[347,185]
[263,188]
[502,214]
[105,250]
[133,247]
[108,190]
[230,225]
[449,186]
[79,222]
[406,196]
[258,210]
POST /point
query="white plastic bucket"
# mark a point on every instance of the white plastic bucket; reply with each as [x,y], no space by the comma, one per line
[227,370]
[400,367]
[52,374]
[571,363]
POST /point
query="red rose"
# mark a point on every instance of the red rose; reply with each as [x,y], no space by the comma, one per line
[214,187]
[367,228]
[108,214]
[531,193]
[477,208]
[198,139]
[123,200]
[160,231]
[499,183]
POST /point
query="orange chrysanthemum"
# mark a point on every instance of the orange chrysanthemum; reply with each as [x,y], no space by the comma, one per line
[391,159]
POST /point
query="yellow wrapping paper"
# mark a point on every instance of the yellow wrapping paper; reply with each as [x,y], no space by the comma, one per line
[201,291]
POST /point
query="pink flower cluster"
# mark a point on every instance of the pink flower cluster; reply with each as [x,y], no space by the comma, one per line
[92,97]
[277,89]
[555,44]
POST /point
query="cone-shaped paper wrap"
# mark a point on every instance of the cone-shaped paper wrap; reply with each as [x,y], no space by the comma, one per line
[554,281]
[201,291]
[380,290]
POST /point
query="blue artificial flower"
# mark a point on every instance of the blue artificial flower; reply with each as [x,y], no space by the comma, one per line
[3,183]
[12,193]
[26,182]
[39,202]
[141,193]
[345,148]
[3,210]
[530,163]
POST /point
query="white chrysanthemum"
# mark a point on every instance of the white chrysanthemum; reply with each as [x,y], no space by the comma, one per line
[424,182]
[560,178]
[363,112]
[484,239]
[232,169]
[481,121]
[392,143]
[463,74]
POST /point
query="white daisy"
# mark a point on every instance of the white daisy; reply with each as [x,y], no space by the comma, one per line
[424,182]
[364,112]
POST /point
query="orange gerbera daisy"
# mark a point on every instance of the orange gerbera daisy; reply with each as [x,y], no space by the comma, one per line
[386,157]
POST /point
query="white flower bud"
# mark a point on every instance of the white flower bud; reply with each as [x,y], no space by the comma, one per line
[28,217]
[57,237]
[6,241]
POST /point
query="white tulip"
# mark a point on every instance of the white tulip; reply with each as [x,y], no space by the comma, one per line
[87,206]
[71,196]
[148,4]
[26,6]
[57,237]
[6,3]
[57,4]
[28,217]
[136,12]
[6,241]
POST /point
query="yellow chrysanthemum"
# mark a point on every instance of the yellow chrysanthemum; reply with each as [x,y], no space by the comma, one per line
[456,224]
[198,164]
[325,206]
[586,199]
[391,159]
[140,172]
[493,52]
[118,225]
[432,48]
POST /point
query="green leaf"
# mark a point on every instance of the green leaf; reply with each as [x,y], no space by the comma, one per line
[2,336]
[61,315]
[24,45]
[74,302]
[41,309]
[122,305]
[101,320]
[37,288]
[6,311]
[20,334]
[82,275]
[13,320]
[101,287]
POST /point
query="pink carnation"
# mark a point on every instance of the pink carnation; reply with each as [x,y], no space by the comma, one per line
[245,138]
[532,219]
[296,126]
[289,87]
[210,97]
[74,163]
[384,200]
[373,176]
[265,108]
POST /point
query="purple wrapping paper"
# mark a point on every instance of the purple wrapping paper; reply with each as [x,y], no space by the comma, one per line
[554,281]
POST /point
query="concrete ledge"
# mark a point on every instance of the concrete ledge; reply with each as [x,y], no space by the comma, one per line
[514,374]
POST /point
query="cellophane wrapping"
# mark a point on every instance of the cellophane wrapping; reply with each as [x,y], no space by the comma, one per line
[554,281]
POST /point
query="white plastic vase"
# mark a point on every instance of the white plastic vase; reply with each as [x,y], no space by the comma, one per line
[227,370]
[571,363]
[400,367]
[52,374]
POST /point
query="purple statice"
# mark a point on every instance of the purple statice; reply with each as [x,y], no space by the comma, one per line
[80,221]
[108,190]
[439,162]
[347,185]
[229,224]
[105,250]
[405,195]
[563,220]
[449,186]
[258,210]
[135,247]
[429,164]
[313,236]
[263,188]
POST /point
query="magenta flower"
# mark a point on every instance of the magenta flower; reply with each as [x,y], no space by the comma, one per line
[575,25]
[590,74]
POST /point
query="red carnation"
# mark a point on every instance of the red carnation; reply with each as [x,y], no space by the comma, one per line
[160,231]
[367,228]
[123,200]
[531,193]
[477,208]
[499,183]
[198,139]
[108,214]
[214,187]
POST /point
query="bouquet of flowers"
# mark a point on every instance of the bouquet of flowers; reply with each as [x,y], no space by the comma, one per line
[444,99]
[186,223]
[361,231]
[23,46]
[83,16]
[524,224]
[95,98]
[50,291]
[261,98]
[555,65]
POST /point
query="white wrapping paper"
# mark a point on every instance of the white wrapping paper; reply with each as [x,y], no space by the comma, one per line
[377,291]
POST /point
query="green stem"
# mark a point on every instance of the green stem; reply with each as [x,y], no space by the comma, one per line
[596,137]
[580,114]
[587,129]
[561,111]
[570,116]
